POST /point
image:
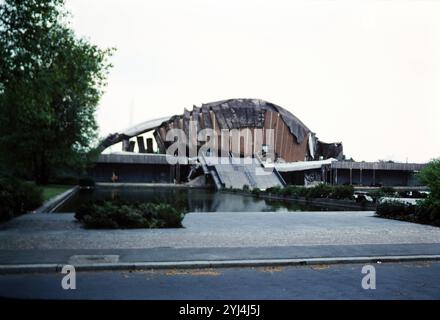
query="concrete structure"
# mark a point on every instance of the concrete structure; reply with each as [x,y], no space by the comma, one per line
[272,137]
[292,140]
[227,173]
[350,172]
[138,167]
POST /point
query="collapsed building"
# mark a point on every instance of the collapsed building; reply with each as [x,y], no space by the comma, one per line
[270,137]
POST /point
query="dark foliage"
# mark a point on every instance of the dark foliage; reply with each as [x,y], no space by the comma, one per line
[17,197]
[319,191]
[50,84]
[426,211]
[118,214]
[87,182]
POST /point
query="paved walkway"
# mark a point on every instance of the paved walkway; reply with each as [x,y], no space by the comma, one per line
[207,230]
[56,238]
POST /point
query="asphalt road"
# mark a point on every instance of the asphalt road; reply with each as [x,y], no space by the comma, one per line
[417,280]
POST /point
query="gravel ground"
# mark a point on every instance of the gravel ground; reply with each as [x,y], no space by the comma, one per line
[218,230]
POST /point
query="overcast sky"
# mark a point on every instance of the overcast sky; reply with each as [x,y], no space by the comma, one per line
[364,73]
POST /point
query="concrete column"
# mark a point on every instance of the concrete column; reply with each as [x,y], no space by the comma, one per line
[141,145]
[131,146]
[125,145]
[150,145]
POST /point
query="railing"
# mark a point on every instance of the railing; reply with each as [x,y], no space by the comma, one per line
[213,172]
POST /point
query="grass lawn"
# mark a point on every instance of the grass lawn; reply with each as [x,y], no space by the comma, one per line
[53,190]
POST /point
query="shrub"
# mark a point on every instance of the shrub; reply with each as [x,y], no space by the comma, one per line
[18,197]
[430,176]
[320,191]
[302,191]
[403,194]
[7,205]
[99,221]
[417,194]
[274,190]
[382,192]
[83,210]
[149,210]
[290,191]
[256,192]
[388,191]
[362,199]
[376,194]
[31,197]
[169,216]
[394,209]
[116,214]
[428,211]
[342,192]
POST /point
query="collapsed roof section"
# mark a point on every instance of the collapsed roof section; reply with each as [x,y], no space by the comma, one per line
[294,141]
[138,129]
[242,113]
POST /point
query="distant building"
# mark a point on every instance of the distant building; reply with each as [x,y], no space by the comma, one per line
[240,128]
[292,140]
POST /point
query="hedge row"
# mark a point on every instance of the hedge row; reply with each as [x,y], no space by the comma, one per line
[426,211]
[18,197]
[391,192]
[121,215]
[319,191]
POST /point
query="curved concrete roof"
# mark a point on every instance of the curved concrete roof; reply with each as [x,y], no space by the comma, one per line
[136,130]
[231,113]
[144,127]
[238,109]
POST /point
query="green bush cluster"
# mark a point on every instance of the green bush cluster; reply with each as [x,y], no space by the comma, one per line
[117,214]
[395,209]
[234,190]
[415,194]
[319,191]
[430,176]
[18,197]
[382,192]
[256,192]
[426,211]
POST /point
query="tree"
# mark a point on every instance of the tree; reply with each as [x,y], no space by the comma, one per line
[50,84]
[430,176]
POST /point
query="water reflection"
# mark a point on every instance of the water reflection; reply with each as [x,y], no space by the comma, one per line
[190,200]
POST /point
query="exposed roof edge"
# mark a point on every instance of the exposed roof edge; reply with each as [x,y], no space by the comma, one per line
[138,129]
[302,165]
[296,127]
[144,127]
